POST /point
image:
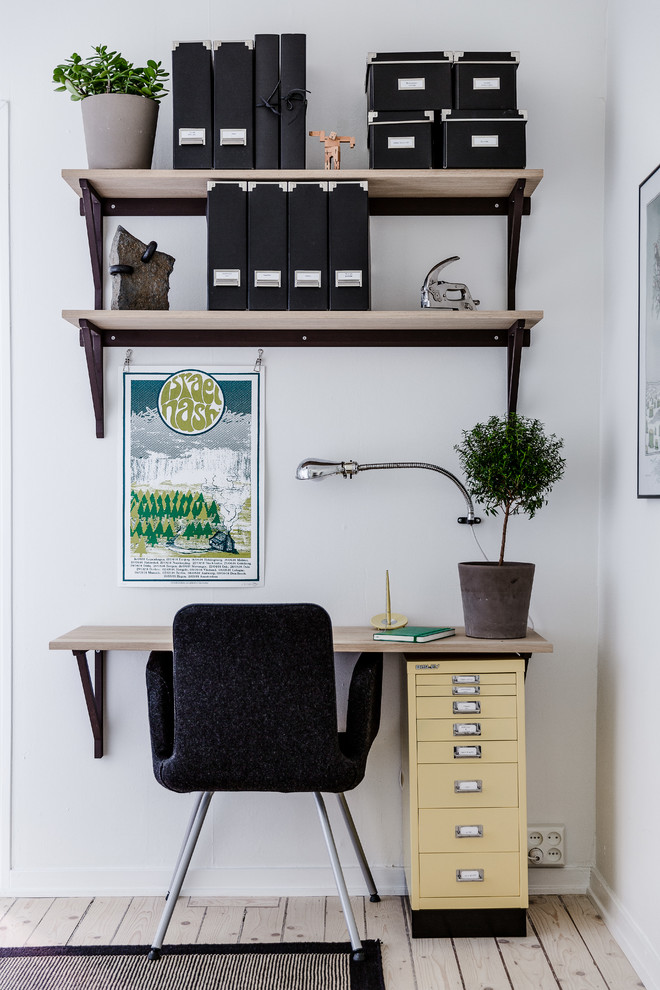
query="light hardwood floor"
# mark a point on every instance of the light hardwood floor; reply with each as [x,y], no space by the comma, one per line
[567,947]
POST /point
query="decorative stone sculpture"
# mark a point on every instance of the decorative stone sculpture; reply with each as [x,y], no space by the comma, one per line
[140,273]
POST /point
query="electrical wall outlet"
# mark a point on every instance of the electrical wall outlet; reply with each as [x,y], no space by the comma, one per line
[545,845]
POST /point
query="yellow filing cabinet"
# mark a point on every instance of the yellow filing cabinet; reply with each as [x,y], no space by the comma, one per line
[466,816]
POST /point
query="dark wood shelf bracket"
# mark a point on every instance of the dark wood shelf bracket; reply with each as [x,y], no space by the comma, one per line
[514,220]
[92,341]
[91,207]
[515,341]
[93,694]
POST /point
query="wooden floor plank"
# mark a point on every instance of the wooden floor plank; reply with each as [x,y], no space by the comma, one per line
[5,904]
[386,920]
[526,962]
[335,925]
[481,964]
[222,924]
[185,925]
[305,919]
[139,924]
[60,921]
[570,960]
[263,924]
[435,964]
[242,902]
[101,921]
[609,958]
[22,918]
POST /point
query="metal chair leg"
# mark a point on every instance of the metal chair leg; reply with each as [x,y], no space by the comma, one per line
[183,862]
[349,917]
[357,846]
[189,828]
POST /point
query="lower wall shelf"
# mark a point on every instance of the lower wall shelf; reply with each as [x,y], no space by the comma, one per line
[373,328]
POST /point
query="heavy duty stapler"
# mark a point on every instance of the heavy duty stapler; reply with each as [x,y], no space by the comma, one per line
[437,294]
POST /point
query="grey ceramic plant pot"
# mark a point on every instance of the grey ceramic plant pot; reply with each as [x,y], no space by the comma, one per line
[496,598]
[119,130]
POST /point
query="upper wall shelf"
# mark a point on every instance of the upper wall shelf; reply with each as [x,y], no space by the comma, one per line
[452,189]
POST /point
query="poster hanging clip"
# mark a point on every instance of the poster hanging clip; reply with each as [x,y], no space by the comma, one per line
[127,359]
[258,363]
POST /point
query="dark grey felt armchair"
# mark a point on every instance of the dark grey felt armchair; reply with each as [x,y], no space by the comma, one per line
[246,702]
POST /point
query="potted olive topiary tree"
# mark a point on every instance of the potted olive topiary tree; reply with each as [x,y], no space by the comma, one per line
[119,103]
[510,464]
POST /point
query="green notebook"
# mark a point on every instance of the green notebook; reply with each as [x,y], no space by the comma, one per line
[414,634]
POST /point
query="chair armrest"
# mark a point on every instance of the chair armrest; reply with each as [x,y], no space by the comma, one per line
[160,700]
[363,714]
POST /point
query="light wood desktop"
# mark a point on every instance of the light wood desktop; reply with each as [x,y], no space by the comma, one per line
[347,639]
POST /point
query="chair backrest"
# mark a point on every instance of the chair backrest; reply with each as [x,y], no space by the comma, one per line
[254,697]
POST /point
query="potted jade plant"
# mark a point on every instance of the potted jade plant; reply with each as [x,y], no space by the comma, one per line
[119,103]
[510,464]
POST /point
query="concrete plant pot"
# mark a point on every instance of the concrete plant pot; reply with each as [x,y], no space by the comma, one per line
[119,130]
[496,598]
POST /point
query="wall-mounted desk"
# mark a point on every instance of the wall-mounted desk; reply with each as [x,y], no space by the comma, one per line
[465,817]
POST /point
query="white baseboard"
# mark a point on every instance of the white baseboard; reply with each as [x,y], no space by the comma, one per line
[641,953]
[240,882]
[559,880]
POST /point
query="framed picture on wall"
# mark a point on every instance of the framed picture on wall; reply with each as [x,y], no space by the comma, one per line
[192,477]
[648,438]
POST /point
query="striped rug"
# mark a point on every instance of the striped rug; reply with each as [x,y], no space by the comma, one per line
[281,966]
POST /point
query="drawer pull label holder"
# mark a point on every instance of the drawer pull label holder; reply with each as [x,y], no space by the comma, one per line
[469,831]
[469,876]
[467,728]
[467,752]
[467,786]
[466,707]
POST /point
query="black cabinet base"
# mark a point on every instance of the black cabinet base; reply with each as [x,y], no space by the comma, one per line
[469,923]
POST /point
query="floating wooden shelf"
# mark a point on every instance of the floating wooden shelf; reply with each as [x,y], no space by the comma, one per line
[153,184]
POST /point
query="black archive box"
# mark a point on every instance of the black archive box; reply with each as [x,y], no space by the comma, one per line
[308,245]
[485,80]
[192,104]
[348,245]
[293,100]
[266,101]
[484,138]
[408,80]
[402,140]
[267,245]
[226,220]
[233,104]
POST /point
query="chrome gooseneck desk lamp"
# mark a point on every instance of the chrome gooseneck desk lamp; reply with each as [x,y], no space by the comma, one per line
[316,470]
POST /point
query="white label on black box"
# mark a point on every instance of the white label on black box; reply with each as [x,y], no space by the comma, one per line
[268,280]
[400,142]
[226,276]
[344,280]
[307,280]
[233,136]
[485,141]
[192,135]
[491,82]
[419,83]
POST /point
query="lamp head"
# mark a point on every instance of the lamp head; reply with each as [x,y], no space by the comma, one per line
[316,470]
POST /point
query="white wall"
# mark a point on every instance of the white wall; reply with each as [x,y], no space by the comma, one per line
[628,807]
[79,825]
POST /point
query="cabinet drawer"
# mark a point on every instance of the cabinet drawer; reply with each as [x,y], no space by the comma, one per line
[427,680]
[466,708]
[466,729]
[468,751]
[489,830]
[499,871]
[463,690]
[442,785]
